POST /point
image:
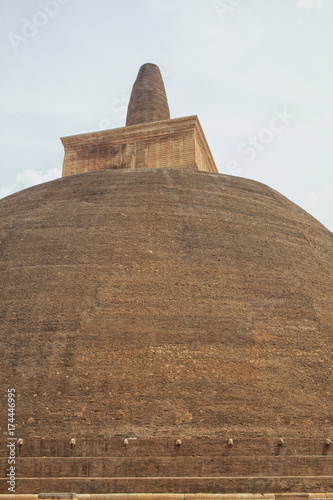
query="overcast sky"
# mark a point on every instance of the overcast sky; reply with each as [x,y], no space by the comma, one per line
[258,73]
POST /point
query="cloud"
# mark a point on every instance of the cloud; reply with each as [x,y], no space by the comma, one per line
[31,177]
[309,4]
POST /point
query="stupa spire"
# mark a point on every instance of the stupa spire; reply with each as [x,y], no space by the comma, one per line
[149,140]
[148,101]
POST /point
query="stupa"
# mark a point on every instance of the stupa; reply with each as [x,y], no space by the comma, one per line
[167,329]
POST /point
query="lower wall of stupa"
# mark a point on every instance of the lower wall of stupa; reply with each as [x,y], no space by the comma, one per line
[179,465]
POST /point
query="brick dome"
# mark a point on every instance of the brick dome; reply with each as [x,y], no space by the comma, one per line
[159,302]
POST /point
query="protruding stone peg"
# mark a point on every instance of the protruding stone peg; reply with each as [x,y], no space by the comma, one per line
[20,441]
[230,442]
[125,442]
[73,442]
[328,442]
[178,442]
[281,442]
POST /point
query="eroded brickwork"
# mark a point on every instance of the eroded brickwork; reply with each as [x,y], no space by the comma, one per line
[160,465]
[178,143]
[148,101]
[166,303]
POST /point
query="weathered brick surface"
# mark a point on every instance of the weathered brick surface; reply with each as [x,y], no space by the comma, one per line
[166,304]
[166,447]
[148,101]
[171,466]
[178,143]
[175,485]
[259,461]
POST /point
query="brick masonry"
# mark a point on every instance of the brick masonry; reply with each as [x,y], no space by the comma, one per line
[178,143]
[166,304]
[148,101]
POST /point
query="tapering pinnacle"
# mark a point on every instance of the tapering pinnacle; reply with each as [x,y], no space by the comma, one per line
[148,101]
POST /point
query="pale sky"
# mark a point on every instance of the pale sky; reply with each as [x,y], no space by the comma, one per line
[258,73]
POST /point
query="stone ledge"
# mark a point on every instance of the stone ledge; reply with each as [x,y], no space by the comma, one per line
[57,496]
[170,496]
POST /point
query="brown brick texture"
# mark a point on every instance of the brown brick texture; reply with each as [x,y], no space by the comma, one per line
[166,304]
